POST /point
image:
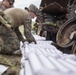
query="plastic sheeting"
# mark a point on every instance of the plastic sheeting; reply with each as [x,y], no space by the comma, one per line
[45,59]
[3,69]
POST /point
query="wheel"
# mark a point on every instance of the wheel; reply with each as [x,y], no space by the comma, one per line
[65,32]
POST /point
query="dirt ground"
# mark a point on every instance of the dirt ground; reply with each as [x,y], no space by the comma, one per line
[13,63]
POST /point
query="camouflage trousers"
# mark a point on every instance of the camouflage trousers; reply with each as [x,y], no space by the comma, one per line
[9,42]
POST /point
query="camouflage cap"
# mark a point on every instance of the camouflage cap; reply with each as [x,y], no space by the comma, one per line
[33,8]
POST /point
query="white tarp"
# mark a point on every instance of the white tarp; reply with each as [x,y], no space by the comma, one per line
[3,69]
[45,59]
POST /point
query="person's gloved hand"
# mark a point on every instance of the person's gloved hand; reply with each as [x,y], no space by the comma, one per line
[23,40]
[33,41]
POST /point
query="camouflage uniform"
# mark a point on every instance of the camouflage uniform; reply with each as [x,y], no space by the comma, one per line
[8,46]
[10,38]
[17,18]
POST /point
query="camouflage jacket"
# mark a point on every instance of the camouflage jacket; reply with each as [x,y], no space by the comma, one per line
[18,17]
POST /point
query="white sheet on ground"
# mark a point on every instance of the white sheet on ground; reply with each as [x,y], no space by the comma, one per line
[45,59]
[3,69]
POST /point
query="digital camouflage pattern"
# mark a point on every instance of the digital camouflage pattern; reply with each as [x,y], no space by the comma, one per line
[17,18]
[10,37]
[12,62]
[10,42]
[33,8]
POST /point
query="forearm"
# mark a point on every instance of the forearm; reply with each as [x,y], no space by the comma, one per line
[19,35]
[27,31]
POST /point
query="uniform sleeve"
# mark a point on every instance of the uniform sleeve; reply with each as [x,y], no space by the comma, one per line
[27,29]
[18,33]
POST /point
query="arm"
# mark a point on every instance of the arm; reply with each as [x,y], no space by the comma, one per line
[19,35]
[27,31]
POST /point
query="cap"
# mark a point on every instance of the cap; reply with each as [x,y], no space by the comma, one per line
[33,8]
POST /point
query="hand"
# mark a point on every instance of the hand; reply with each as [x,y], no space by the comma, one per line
[23,40]
[33,41]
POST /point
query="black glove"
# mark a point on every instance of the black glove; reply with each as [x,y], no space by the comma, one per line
[33,41]
[23,40]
